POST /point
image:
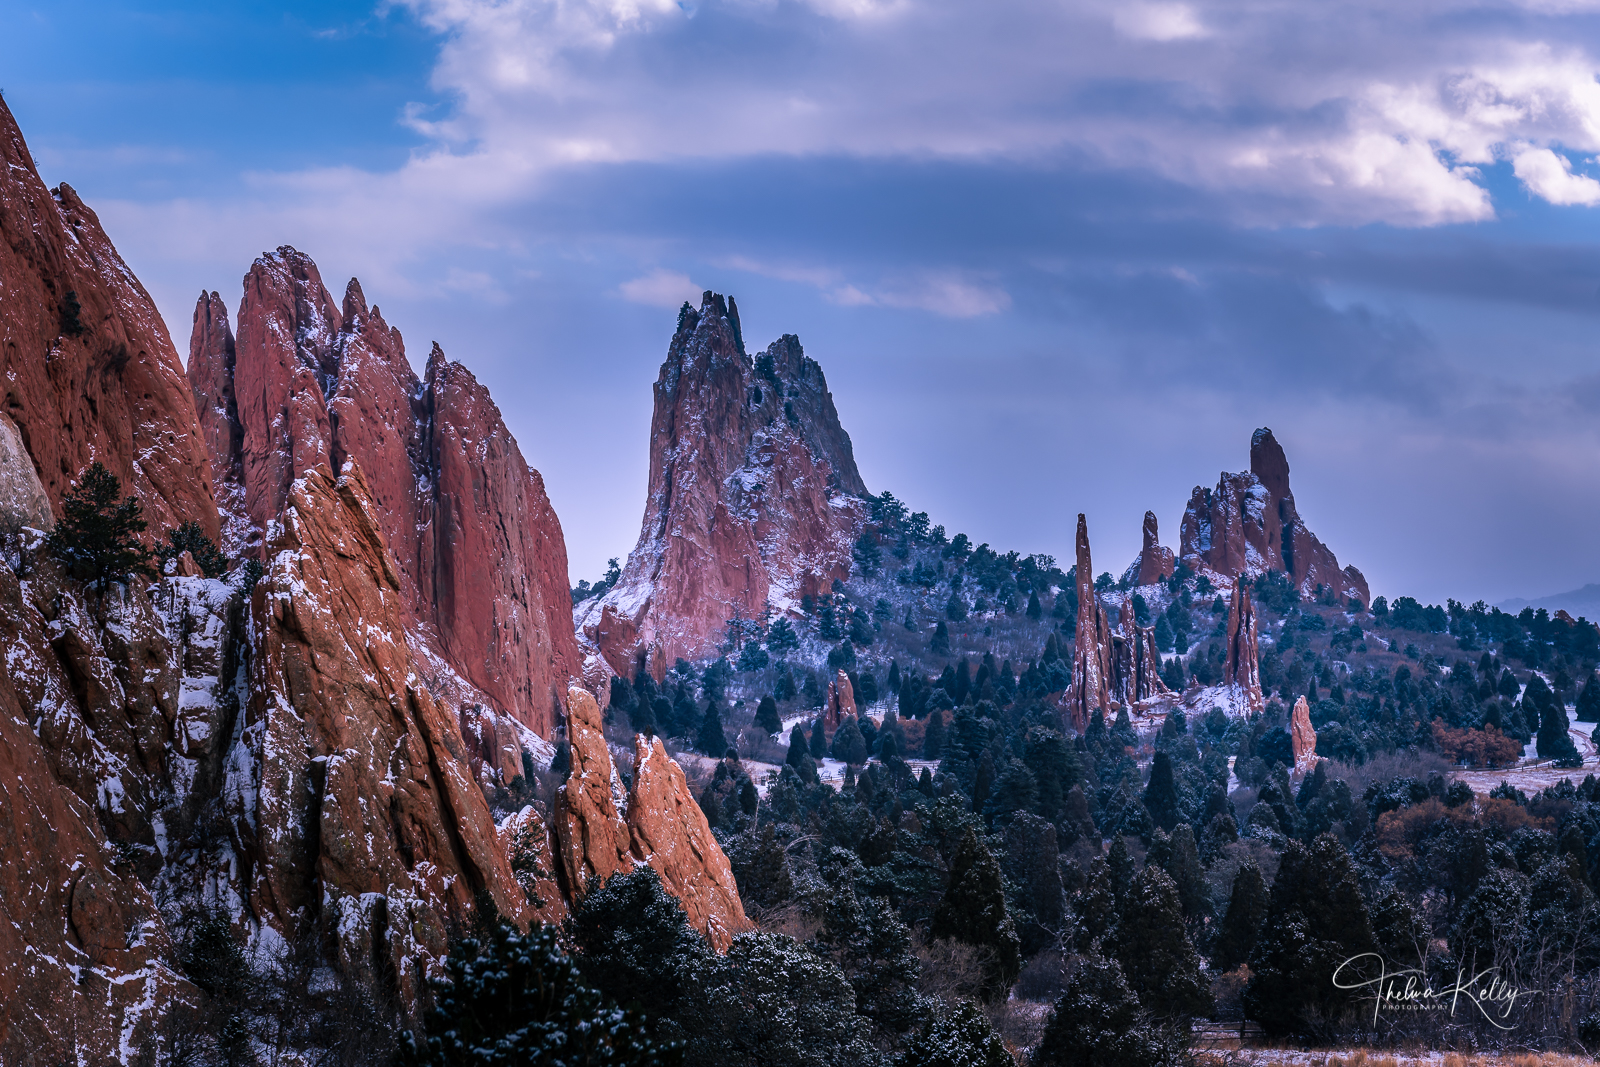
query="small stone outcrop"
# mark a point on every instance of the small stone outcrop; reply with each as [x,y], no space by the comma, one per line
[841,703]
[23,501]
[1303,737]
[1248,525]
[1155,562]
[1243,665]
[754,496]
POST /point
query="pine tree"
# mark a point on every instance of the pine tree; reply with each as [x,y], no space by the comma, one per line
[1156,955]
[781,638]
[1035,609]
[1247,910]
[1119,862]
[767,715]
[1015,791]
[848,744]
[191,538]
[97,539]
[940,645]
[933,736]
[973,912]
[1553,740]
[1161,795]
[819,740]
[522,996]
[955,609]
[711,740]
[798,749]
[1589,699]
[1098,1023]
[962,1037]
[867,555]
[894,676]
[911,620]
[642,717]
[1316,919]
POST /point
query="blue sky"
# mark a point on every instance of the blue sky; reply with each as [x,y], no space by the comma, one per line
[1053,257]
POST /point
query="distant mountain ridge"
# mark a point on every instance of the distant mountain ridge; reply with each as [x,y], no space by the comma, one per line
[1584,601]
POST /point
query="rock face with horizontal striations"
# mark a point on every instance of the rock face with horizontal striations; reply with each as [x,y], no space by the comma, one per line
[1248,525]
[1243,665]
[754,496]
[312,383]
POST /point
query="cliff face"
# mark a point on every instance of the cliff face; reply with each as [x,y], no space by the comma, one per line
[1248,524]
[753,496]
[89,370]
[313,385]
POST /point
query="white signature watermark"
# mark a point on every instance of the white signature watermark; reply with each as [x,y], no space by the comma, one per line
[1408,989]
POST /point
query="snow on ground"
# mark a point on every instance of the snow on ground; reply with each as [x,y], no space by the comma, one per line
[1534,774]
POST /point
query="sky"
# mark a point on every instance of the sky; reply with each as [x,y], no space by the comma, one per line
[1053,257]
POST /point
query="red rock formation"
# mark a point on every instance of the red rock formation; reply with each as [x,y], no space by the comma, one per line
[1092,650]
[1136,662]
[1248,525]
[665,827]
[1243,666]
[469,528]
[365,785]
[1303,737]
[752,499]
[671,834]
[1155,562]
[841,704]
[594,840]
[101,383]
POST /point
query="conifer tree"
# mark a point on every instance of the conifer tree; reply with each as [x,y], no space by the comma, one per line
[1015,791]
[1316,919]
[894,676]
[1035,609]
[767,715]
[848,744]
[940,645]
[1095,905]
[97,539]
[973,912]
[1589,699]
[963,1037]
[1156,955]
[1161,795]
[1553,740]
[798,749]
[1098,1022]
[819,740]
[711,740]
[1247,910]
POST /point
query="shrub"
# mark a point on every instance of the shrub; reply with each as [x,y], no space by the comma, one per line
[191,538]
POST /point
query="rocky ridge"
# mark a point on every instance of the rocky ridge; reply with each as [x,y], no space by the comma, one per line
[753,502]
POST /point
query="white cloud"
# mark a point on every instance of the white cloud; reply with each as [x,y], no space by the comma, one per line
[661,288]
[1549,177]
[950,294]
[1158,22]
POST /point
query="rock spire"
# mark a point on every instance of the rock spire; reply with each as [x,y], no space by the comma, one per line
[1154,562]
[1091,657]
[754,496]
[1248,524]
[1242,668]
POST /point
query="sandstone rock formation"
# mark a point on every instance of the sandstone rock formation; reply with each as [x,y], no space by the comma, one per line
[841,702]
[671,834]
[1136,662]
[89,370]
[1091,656]
[1248,525]
[23,501]
[753,496]
[1303,737]
[1243,665]
[664,827]
[1155,562]
[311,384]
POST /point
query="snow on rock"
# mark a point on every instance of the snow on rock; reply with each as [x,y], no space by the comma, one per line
[754,496]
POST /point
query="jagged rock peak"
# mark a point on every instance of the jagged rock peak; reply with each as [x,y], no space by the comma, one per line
[317,385]
[1091,657]
[752,498]
[1248,525]
[90,370]
[1155,563]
